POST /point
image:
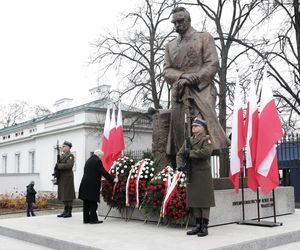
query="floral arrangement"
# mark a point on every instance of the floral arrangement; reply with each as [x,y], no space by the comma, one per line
[155,192]
[166,196]
[177,209]
[141,173]
[115,194]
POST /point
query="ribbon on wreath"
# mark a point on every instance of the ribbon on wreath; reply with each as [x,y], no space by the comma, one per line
[140,168]
[127,187]
[171,190]
[116,179]
[141,165]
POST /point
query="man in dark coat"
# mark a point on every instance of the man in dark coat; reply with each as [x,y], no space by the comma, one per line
[30,198]
[89,190]
[66,189]
[200,192]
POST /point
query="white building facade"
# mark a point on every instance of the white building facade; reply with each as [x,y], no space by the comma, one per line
[27,150]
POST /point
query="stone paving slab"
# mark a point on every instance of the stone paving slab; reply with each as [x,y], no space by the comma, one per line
[7,243]
[115,233]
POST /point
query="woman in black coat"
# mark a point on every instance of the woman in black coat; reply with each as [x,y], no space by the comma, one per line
[89,190]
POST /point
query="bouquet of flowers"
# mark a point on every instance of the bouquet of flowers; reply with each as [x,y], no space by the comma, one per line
[155,192]
[138,178]
[115,194]
[176,207]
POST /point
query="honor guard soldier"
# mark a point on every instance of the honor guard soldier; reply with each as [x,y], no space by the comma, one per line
[66,190]
[200,192]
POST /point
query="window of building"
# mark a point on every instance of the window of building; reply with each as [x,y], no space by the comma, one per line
[4,163]
[31,161]
[17,162]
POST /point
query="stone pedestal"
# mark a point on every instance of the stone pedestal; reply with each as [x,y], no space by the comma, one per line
[161,125]
[229,206]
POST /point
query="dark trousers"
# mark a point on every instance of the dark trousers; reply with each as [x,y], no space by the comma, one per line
[89,211]
[30,209]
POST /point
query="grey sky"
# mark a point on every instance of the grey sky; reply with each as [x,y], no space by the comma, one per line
[45,47]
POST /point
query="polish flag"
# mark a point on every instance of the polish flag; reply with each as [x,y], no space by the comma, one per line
[237,139]
[112,138]
[119,140]
[105,141]
[251,139]
[269,132]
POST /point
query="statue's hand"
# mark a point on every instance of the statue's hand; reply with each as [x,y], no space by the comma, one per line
[181,83]
[192,78]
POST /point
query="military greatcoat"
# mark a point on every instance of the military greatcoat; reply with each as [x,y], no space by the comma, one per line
[66,190]
[200,191]
[194,52]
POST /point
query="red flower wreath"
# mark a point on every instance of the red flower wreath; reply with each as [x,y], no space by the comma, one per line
[114,194]
[177,208]
[155,192]
[139,176]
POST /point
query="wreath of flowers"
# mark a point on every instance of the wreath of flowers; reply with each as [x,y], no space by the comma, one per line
[141,173]
[177,209]
[155,192]
[166,196]
[114,194]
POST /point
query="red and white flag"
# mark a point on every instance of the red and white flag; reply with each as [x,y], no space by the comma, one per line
[269,132]
[105,141]
[251,139]
[112,138]
[237,139]
[119,140]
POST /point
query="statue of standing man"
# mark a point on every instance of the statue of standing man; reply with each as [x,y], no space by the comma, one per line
[191,62]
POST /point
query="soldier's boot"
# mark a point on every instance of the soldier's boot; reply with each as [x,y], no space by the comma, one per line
[69,212]
[63,213]
[196,229]
[203,231]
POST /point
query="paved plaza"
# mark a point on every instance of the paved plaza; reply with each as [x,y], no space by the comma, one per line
[49,232]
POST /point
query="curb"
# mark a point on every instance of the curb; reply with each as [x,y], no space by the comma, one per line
[43,240]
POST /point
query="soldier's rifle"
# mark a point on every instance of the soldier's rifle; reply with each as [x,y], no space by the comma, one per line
[56,170]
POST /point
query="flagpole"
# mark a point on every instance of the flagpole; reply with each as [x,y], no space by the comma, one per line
[243,198]
[257,202]
[274,207]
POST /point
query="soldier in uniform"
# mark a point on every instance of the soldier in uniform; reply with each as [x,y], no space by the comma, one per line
[191,62]
[200,192]
[66,190]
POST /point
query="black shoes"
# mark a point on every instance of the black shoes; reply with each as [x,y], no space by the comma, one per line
[203,231]
[96,222]
[63,213]
[200,229]
[66,213]
[197,229]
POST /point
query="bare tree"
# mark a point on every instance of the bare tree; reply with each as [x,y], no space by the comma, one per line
[11,114]
[39,110]
[141,50]
[283,59]
[19,111]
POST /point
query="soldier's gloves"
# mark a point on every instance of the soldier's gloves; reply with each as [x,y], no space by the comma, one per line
[181,169]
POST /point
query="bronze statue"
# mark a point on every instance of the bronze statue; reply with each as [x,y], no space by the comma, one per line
[191,62]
